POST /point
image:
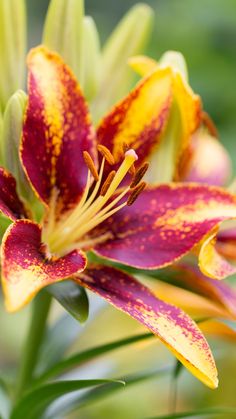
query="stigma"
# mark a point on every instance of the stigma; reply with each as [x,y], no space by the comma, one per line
[102,197]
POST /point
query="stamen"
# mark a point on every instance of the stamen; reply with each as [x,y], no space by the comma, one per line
[90,164]
[95,208]
[139,175]
[106,154]
[107,182]
[136,192]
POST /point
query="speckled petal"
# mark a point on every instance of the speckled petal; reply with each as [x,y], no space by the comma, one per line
[171,325]
[164,223]
[10,203]
[26,267]
[210,162]
[139,119]
[57,129]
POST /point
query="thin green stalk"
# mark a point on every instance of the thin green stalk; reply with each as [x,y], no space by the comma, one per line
[40,310]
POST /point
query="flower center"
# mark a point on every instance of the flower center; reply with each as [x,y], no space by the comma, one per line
[96,204]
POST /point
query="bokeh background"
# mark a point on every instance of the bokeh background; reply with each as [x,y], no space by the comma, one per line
[205,32]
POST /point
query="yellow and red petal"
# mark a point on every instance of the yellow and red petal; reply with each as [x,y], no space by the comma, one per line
[139,119]
[26,266]
[186,112]
[10,204]
[209,161]
[226,243]
[164,224]
[211,262]
[170,324]
[57,129]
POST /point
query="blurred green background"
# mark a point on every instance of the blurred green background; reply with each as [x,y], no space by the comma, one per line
[205,32]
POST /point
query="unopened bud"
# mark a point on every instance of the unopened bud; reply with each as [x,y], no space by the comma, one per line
[12,48]
[176,61]
[63,31]
[129,38]
[11,134]
[91,59]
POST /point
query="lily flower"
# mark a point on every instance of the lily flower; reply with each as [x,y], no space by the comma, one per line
[88,206]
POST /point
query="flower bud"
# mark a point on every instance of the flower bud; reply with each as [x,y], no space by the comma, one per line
[128,38]
[176,61]
[63,31]
[12,48]
[91,59]
[11,134]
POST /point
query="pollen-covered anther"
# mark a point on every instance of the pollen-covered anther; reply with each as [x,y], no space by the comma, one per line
[106,154]
[90,164]
[136,192]
[139,175]
[107,182]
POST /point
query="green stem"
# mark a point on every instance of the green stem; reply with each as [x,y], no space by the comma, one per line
[40,310]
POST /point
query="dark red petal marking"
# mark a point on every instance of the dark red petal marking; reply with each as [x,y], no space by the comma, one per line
[10,203]
[25,265]
[165,223]
[169,323]
[57,129]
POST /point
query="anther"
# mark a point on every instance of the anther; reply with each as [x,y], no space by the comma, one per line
[90,164]
[136,192]
[139,175]
[107,182]
[106,154]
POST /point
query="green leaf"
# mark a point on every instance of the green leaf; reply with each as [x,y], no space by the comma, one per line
[72,297]
[98,393]
[206,413]
[35,402]
[85,356]
[63,31]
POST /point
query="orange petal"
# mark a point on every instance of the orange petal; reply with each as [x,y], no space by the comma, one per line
[195,305]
